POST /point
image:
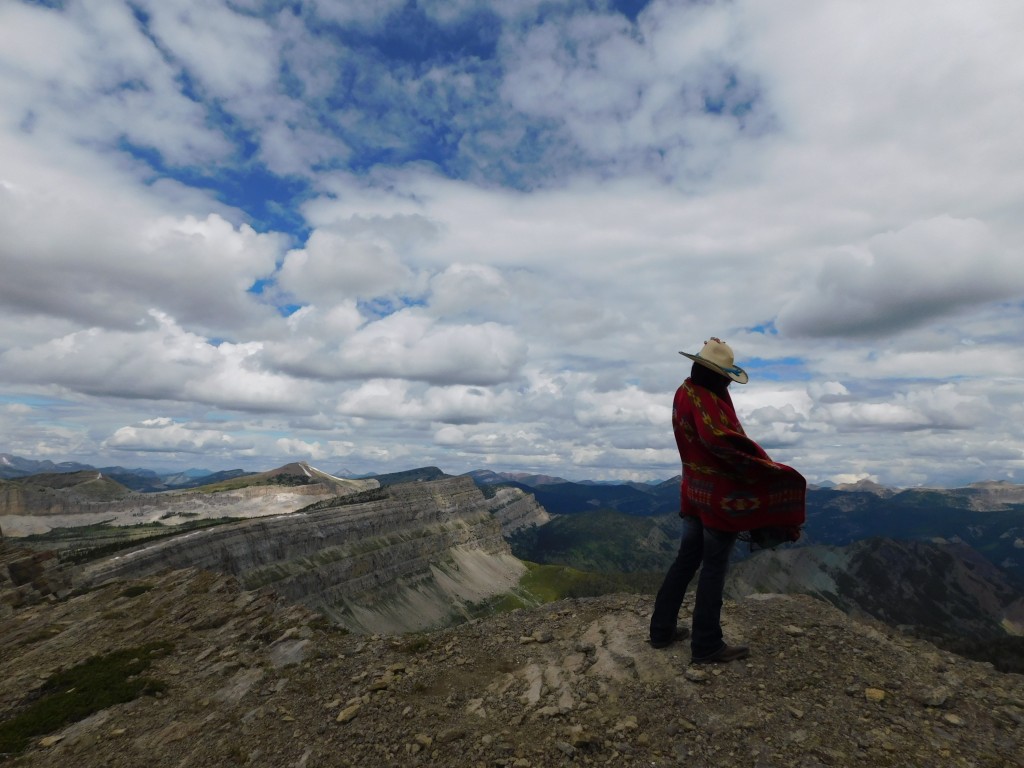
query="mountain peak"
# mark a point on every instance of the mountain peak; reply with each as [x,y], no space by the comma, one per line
[866,486]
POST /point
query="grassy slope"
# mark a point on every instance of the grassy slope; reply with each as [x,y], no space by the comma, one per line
[603,541]
[547,583]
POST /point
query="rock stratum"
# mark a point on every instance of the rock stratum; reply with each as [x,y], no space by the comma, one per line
[41,503]
[392,559]
[248,679]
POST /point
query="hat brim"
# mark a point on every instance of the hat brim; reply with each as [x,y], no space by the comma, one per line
[735,373]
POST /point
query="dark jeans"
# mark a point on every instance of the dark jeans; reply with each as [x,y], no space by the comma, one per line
[699,547]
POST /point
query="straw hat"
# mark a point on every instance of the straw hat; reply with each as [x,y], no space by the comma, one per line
[717,355]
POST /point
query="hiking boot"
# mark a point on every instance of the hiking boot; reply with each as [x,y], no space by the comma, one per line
[723,655]
[680,633]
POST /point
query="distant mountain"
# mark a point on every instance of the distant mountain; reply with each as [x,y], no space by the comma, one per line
[297,473]
[183,481]
[15,466]
[86,510]
[989,518]
[561,497]
[948,593]
[866,486]
[148,481]
[420,475]
[137,479]
[53,493]
[489,477]
[575,498]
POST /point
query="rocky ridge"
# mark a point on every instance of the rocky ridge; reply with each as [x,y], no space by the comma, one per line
[251,680]
[170,508]
[516,510]
[391,559]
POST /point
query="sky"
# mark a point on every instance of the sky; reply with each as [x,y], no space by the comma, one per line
[475,234]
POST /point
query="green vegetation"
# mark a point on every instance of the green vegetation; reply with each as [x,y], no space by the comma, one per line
[82,690]
[602,541]
[548,583]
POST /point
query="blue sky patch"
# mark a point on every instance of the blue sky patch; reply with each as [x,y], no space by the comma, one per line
[777,369]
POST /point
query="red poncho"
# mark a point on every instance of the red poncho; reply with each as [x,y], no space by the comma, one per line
[728,479]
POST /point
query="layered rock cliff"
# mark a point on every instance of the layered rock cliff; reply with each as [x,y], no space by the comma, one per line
[516,510]
[58,494]
[389,559]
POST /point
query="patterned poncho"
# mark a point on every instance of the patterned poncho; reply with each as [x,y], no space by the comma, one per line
[728,479]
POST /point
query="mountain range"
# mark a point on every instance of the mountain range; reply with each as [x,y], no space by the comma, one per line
[945,564]
[137,479]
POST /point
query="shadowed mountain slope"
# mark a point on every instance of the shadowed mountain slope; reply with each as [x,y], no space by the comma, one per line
[939,590]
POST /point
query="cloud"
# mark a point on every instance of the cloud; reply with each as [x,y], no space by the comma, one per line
[903,279]
[100,67]
[409,344]
[229,54]
[158,362]
[395,399]
[468,288]
[626,406]
[668,94]
[108,264]
[312,450]
[162,435]
[476,233]
[363,264]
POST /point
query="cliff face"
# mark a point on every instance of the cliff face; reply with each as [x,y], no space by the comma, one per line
[390,559]
[58,494]
[516,509]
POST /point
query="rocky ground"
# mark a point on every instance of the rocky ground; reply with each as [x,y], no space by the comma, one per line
[252,681]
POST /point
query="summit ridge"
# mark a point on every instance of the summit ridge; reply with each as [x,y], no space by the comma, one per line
[252,680]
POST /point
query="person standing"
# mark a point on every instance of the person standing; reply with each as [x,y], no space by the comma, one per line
[729,485]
